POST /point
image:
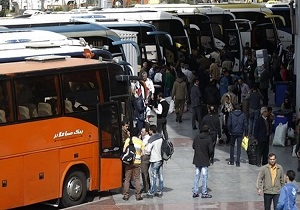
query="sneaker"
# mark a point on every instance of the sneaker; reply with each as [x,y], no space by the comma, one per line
[230,163]
[139,198]
[148,195]
[195,195]
[206,196]
[125,198]
[237,164]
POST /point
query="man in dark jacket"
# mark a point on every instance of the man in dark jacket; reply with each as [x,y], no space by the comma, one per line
[261,137]
[213,122]
[203,150]
[196,102]
[162,112]
[237,127]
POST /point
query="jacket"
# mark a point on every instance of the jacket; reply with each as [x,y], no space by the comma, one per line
[179,90]
[287,198]
[264,180]
[237,123]
[196,96]
[212,95]
[260,130]
[213,122]
[203,149]
[154,147]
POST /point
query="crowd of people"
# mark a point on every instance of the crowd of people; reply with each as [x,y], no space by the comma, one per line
[225,107]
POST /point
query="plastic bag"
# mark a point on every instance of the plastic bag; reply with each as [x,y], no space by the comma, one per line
[280,134]
[245,143]
[171,107]
[291,133]
[294,151]
[185,108]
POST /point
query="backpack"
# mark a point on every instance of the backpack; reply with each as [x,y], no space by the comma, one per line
[128,155]
[167,149]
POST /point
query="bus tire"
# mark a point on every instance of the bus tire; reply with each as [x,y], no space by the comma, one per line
[75,189]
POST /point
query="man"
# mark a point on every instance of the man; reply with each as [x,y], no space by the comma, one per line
[261,137]
[255,98]
[264,84]
[125,131]
[242,90]
[149,93]
[196,101]
[162,112]
[237,127]
[213,122]
[135,168]
[156,163]
[145,160]
[288,193]
[179,93]
[203,149]
[270,178]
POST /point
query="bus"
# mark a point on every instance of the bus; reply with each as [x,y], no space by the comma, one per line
[284,25]
[60,124]
[145,48]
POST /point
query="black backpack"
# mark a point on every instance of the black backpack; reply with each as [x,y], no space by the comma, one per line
[128,155]
[167,149]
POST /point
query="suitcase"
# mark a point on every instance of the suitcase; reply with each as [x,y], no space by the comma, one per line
[251,152]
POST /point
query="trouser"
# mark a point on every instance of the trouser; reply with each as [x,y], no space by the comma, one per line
[268,200]
[262,152]
[135,171]
[161,124]
[179,106]
[204,171]
[145,172]
[234,138]
[254,115]
[264,93]
[214,140]
[196,116]
[156,172]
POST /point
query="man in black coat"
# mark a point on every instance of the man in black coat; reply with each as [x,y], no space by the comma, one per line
[203,149]
[261,137]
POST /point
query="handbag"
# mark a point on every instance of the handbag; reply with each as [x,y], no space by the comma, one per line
[245,143]
[129,153]
[171,107]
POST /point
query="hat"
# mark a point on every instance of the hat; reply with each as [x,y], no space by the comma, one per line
[263,109]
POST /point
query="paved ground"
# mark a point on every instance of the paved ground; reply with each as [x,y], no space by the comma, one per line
[232,188]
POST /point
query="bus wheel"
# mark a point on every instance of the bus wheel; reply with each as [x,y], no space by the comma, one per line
[75,189]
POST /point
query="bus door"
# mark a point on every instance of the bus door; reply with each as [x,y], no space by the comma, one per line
[245,28]
[110,146]
[233,41]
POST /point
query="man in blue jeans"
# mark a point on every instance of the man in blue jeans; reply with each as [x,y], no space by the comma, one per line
[203,150]
[156,164]
[237,127]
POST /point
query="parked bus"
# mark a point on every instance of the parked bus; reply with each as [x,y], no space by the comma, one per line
[284,25]
[60,124]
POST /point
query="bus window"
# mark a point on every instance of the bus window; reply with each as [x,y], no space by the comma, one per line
[5,102]
[37,97]
[81,91]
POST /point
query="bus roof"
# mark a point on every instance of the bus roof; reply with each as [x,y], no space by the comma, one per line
[30,66]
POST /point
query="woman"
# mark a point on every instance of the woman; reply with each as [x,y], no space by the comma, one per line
[226,108]
[286,106]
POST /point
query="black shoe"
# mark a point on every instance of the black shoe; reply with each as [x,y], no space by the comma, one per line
[180,120]
[206,196]
[195,195]
[177,118]
[298,169]
[139,199]
[230,163]
[125,198]
[237,164]
[194,128]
